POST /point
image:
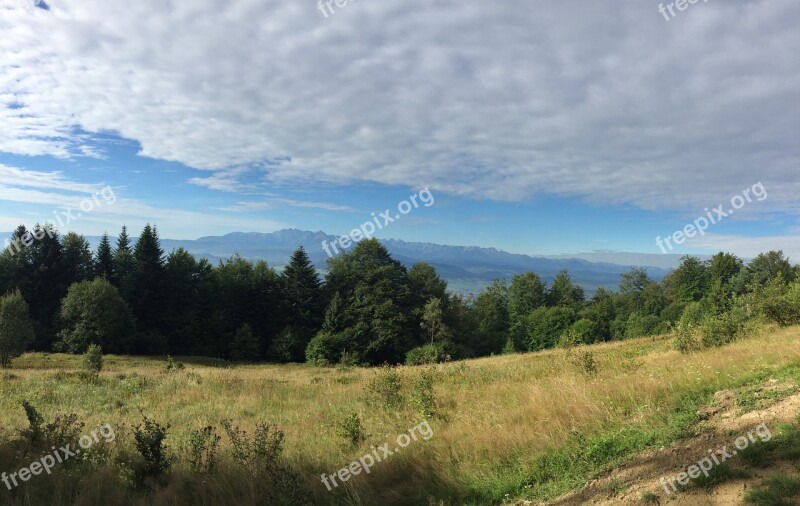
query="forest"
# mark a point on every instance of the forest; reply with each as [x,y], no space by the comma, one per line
[132,298]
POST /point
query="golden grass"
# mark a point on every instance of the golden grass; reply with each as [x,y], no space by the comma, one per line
[497,414]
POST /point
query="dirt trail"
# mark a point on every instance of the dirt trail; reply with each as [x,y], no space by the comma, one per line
[643,473]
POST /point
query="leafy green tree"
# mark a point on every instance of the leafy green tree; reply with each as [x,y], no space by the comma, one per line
[545,325]
[563,292]
[461,317]
[639,325]
[526,293]
[16,328]
[601,312]
[433,322]
[580,332]
[425,285]
[379,307]
[334,320]
[654,299]
[768,266]
[724,266]
[93,312]
[689,282]
[631,288]
[104,266]
[491,313]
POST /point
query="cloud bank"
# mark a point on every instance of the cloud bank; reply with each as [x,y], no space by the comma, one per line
[500,100]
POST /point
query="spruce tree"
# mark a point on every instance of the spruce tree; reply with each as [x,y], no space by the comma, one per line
[105,259]
[123,266]
[303,299]
[148,276]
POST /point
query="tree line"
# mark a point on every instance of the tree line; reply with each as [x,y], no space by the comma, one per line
[132,298]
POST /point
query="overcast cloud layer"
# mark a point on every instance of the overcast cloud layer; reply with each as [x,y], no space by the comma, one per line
[506,100]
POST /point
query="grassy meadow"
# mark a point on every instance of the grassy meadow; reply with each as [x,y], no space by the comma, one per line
[505,429]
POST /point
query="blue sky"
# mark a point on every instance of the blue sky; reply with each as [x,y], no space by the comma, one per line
[537,131]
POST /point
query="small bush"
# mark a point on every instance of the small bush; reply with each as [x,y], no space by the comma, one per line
[423,355]
[33,434]
[93,362]
[782,305]
[348,359]
[422,394]
[203,445]
[173,366]
[351,429]
[584,361]
[587,363]
[687,339]
[724,328]
[386,388]
[64,429]
[149,442]
[440,352]
[262,452]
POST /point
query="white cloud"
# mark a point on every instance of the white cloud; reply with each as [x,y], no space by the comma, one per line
[499,100]
[749,247]
[50,196]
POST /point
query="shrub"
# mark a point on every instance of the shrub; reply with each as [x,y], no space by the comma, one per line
[694,314]
[326,348]
[93,361]
[351,429]
[386,388]
[587,363]
[203,445]
[262,452]
[724,328]
[639,325]
[33,434]
[545,325]
[782,306]
[686,337]
[16,327]
[173,366]
[261,456]
[584,361]
[422,394]
[62,430]
[149,442]
[429,354]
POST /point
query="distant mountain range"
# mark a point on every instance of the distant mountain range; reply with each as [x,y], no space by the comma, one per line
[467,269]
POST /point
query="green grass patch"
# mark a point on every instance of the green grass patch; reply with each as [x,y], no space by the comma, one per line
[778,490]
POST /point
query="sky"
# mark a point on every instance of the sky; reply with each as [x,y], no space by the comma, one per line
[536,127]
